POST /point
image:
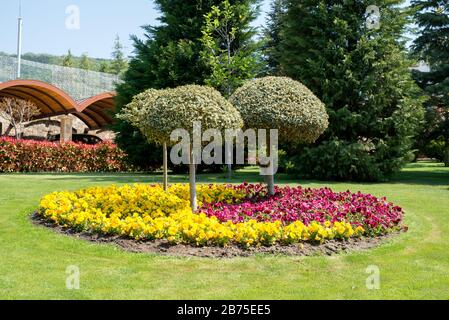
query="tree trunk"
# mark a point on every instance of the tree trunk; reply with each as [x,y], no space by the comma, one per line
[446,156]
[270,183]
[192,181]
[229,165]
[270,178]
[229,92]
[165,166]
[16,130]
[229,171]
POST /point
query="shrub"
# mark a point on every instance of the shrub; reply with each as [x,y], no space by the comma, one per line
[436,149]
[284,104]
[157,113]
[37,156]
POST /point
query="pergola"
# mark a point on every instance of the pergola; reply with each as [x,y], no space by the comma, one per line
[52,101]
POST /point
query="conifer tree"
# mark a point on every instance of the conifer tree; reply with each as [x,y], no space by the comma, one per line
[85,62]
[352,56]
[272,37]
[68,60]
[118,64]
[168,56]
[432,46]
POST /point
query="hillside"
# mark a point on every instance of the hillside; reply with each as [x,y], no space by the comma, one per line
[96,64]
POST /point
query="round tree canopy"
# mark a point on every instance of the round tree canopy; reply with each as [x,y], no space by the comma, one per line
[284,104]
[159,112]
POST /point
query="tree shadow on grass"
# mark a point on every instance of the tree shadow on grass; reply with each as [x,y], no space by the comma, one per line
[414,174]
[439,177]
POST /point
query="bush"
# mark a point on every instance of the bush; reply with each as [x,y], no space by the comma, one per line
[341,160]
[284,104]
[140,154]
[37,156]
[157,113]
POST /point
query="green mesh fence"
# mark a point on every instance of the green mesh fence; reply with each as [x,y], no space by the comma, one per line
[78,83]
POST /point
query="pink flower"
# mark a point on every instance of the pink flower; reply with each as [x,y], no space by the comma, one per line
[308,205]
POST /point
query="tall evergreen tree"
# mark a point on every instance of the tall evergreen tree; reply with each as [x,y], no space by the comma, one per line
[272,37]
[85,62]
[68,61]
[359,69]
[118,64]
[432,45]
[169,56]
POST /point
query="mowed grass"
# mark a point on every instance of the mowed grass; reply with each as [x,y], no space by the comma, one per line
[415,265]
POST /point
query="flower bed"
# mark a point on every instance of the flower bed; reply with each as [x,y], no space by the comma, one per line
[241,215]
[39,156]
[375,215]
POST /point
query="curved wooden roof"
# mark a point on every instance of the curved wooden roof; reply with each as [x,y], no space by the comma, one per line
[98,109]
[52,101]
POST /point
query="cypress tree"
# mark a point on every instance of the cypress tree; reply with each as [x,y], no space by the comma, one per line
[432,46]
[118,64]
[85,62]
[272,37]
[359,69]
[68,61]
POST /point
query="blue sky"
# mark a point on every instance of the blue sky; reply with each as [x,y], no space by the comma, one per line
[45,28]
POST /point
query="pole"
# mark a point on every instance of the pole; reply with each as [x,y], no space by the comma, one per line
[19,42]
[165,166]
[192,181]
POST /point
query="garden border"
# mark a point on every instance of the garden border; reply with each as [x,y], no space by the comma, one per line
[163,247]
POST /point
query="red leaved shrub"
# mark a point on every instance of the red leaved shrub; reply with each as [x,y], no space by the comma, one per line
[37,156]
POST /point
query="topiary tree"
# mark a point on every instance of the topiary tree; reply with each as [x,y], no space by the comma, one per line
[158,113]
[283,104]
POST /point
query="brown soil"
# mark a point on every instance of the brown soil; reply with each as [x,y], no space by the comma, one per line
[162,247]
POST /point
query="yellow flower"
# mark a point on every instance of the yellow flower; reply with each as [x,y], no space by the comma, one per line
[147,211]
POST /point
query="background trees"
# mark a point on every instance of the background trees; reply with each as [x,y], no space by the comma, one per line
[85,62]
[272,37]
[18,112]
[118,64]
[169,56]
[358,69]
[229,46]
[363,77]
[432,45]
[67,61]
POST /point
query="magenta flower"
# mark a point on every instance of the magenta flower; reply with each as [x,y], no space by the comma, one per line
[375,215]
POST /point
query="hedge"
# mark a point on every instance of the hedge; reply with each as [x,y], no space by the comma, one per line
[37,156]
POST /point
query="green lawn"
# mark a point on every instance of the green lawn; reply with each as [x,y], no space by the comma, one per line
[415,265]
